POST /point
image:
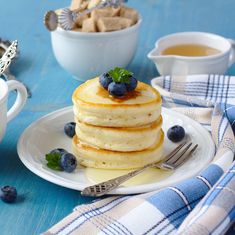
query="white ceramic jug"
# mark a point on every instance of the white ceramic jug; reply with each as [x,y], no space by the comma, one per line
[8,115]
[184,65]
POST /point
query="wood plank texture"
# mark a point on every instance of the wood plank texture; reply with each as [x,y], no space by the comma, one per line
[42,203]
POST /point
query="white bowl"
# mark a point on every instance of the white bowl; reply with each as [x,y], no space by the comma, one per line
[86,55]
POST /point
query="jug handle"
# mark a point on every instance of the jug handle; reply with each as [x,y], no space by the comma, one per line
[20,99]
[232,53]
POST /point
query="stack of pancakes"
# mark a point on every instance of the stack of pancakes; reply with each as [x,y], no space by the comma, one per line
[113,133]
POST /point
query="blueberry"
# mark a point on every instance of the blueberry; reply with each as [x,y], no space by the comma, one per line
[69,129]
[68,162]
[59,150]
[117,89]
[176,133]
[8,194]
[132,85]
[105,80]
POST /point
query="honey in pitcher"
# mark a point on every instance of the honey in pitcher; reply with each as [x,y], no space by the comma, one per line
[190,50]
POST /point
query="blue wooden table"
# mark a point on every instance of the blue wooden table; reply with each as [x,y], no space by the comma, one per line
[41,204]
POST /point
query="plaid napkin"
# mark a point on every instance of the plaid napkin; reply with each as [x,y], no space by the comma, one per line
[201,205]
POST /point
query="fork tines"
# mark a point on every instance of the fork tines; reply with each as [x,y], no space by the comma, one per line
[179,155]
[173,160]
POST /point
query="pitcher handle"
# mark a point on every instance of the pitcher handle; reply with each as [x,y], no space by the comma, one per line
[20,99]
[232,53]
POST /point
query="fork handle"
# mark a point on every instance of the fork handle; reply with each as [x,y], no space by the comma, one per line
[106,186]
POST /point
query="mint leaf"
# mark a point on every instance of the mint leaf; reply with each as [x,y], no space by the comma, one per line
[114,74]
[125,79]
[52,157]
[120,75]
[54,166]
[53,161]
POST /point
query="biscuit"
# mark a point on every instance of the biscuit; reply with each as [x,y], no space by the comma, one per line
[107,24]
[89,25]
[129,13]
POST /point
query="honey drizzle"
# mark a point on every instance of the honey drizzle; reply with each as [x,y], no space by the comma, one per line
[130,95]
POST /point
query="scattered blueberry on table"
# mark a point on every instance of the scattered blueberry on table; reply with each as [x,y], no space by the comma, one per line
[176,133]
[118,82]
[8,194]
[69,129]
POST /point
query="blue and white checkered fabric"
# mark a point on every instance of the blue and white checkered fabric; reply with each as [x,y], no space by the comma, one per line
[201,205]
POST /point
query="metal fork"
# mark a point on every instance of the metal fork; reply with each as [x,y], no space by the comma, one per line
[173,160]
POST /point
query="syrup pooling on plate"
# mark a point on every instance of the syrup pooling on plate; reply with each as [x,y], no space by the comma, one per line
[147,177]
[190,50]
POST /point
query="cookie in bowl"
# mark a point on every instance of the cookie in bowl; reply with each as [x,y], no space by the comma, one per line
[99,41]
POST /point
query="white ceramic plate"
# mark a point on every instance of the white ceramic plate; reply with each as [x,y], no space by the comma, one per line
[47,133]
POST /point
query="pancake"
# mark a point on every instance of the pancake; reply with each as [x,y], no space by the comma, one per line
[93,105]
[120,139]
[90,156]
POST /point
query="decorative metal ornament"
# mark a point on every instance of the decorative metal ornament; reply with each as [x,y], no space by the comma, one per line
[7,56]
[51,20]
